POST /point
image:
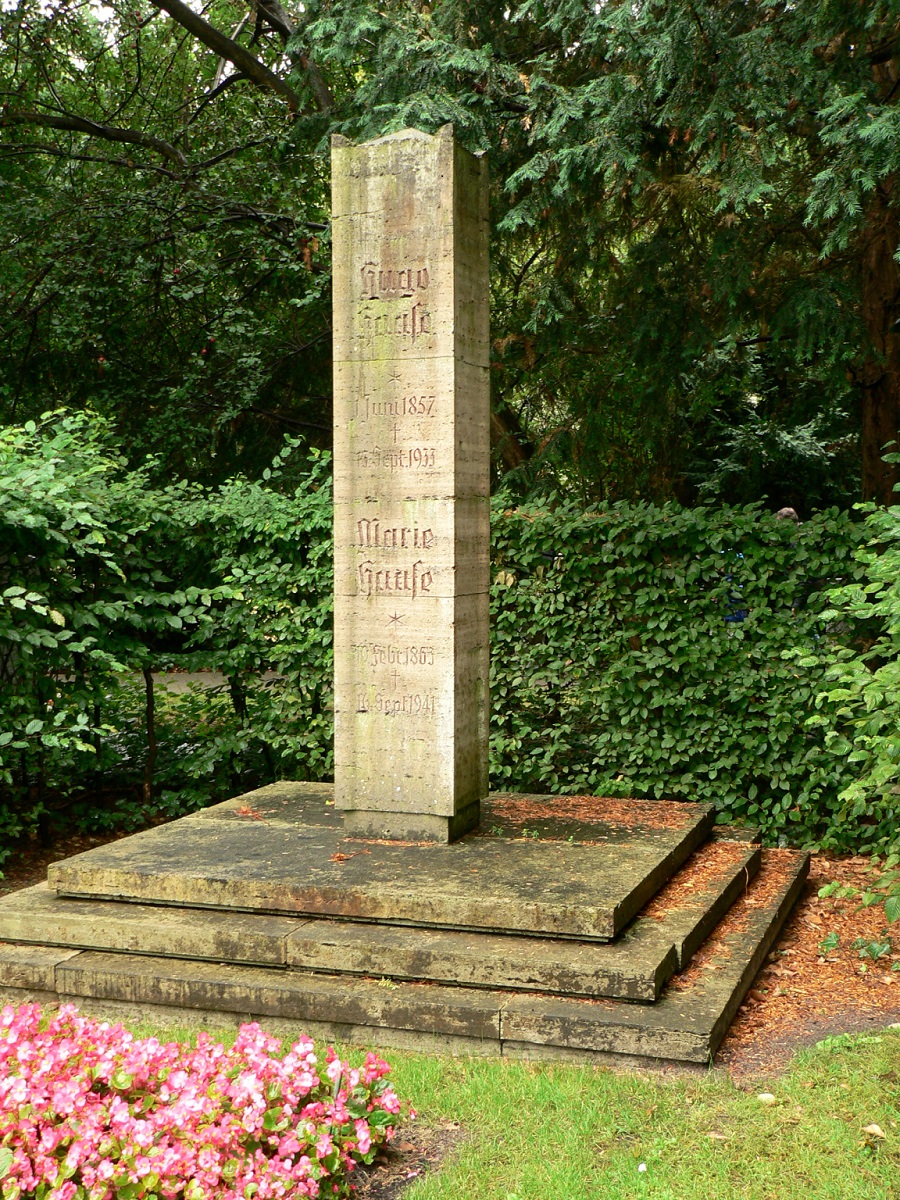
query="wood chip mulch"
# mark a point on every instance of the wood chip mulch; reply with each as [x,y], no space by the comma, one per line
[806,991]
[699,878]
[523,811]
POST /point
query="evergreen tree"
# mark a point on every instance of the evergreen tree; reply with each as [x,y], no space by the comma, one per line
[696,288]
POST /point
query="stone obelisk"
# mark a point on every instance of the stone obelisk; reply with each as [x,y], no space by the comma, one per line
[411,485]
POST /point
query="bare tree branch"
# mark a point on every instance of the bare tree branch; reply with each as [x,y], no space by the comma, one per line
[41,148]
[279,20]
[110,133]
[248,64]
[220,87]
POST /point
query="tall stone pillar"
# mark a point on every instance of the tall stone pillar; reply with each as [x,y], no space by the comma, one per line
[411,485]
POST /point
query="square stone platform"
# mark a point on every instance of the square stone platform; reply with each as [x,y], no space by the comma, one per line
[563,925]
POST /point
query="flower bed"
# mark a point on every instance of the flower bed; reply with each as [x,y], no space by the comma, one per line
[89,1112]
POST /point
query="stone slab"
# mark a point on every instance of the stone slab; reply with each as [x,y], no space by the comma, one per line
[264,854]
[690,1019]
[685,1025]
[289,995]
[39,915]
[31,967]
[635,967]
[690,906]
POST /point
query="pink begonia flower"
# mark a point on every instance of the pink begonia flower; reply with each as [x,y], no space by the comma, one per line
[103,1104]
[363,1135]
[64,1192]
[324,1146]
[334,1070]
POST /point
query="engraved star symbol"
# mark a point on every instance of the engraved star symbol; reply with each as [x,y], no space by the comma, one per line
[394,376]
[396,619]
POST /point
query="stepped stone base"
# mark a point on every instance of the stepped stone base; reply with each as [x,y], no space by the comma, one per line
[283,849]
[262,909]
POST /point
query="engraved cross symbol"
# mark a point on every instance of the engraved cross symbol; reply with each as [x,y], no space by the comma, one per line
[395,619]
[394,376]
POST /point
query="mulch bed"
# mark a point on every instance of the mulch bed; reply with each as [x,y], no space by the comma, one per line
[803,994]
[806,992]
[417,1149]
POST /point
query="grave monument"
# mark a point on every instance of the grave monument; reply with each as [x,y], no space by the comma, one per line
[555,924]
[411,490]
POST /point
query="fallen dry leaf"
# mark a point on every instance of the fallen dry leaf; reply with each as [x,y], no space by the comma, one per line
[874,1131]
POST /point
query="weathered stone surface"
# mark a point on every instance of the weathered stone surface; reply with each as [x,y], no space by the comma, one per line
[294,803]
[31,967]
[411,472]
[292,995]
[264,855]
[736,833]
[37,914]
[635,967]
[689,1021]
[686,1024]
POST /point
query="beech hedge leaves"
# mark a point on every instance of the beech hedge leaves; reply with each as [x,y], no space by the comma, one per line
[640,650]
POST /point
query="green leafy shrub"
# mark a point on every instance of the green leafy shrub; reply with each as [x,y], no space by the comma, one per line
[104,583]
[861,703]
[638,650]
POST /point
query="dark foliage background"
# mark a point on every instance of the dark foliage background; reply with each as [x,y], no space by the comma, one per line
[695,290]
[695,320]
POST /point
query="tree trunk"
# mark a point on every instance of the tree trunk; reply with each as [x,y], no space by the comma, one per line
[509,439]
[881,313]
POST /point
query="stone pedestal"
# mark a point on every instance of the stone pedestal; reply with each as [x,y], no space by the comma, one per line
[411,479]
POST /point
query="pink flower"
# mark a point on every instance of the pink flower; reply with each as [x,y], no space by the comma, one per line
[89,1099]
[363,1135]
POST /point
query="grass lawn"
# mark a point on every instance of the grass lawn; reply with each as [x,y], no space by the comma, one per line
[563,1132]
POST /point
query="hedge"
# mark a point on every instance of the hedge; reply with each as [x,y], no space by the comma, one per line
[641,650]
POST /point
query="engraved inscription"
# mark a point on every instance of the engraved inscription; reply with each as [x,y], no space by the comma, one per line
[416,704]
[418,458]
[391,283]
[407,406]
[413,323]
[371,535]
[414,581]
[377,654]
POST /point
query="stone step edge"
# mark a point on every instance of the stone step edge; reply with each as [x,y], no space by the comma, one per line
[634,968]
[169,865]
[698,931]
[684,1026]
